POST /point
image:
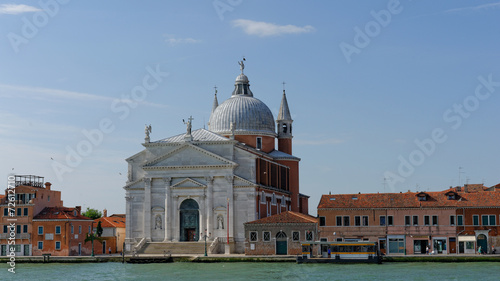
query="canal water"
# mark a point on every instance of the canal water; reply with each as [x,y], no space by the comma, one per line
[253,271]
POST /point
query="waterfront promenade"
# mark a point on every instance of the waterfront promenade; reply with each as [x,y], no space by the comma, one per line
[243,258]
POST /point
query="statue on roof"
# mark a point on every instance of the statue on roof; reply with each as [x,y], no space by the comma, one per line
[242,64]
[188,125]
[147,131]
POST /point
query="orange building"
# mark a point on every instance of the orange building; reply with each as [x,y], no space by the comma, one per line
[61,231]
[25,197]
[113,234]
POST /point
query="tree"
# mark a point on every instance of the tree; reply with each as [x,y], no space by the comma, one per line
[99,229]
[91,237]
[92,213]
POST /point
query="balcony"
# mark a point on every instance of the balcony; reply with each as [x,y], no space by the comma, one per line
[18,236]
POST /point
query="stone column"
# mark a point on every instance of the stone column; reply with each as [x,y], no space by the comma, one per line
[128,218]
[230,212]
[202,213]
[175,218]
[210,204]
[168,211]
[147,209]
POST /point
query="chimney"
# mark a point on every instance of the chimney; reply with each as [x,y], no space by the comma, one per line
[47,185]
[79,209]
[104,213]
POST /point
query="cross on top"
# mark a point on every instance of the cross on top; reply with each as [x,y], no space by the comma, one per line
[283,85]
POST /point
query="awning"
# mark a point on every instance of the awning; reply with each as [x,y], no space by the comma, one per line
[466,238]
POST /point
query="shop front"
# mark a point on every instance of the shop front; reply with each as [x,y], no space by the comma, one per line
[439,245]
[466,244]
[396,245]
[420,244]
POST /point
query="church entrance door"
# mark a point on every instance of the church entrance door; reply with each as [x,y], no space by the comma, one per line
[281,244]
[189,220]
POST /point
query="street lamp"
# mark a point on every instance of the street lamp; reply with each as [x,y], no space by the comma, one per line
[205,236]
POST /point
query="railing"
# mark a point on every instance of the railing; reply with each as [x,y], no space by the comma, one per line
[17,236]
[214,245]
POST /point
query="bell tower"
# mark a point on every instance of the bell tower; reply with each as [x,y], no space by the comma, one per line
[284,122]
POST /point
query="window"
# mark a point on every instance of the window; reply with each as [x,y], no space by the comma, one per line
[48,198]
[484,220]
[407,220]
[365,220]
[357,220]
[58,245]
[18,228]
[25,212]
[434,220]
[452,220]
[422,198]
[259,143]
[267,236]
[382,220]
[40,245]
[346,221]
[5,230]
[40,230]
[72,230]
[19,212]
[390,220]
[89,229]
[460,220]
[58,229]
[451,196]
[5,212]
[339,220]
[475,219]
[274,199]
[25,228]
[253,236]
[309,235]
[263,197]
[79,229]
[296,236]
[427,220]
[415,220]
[322,221]
[493,220]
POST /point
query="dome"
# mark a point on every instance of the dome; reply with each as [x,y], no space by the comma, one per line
[249,115]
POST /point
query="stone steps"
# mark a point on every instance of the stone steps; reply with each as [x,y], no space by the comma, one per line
[174,248]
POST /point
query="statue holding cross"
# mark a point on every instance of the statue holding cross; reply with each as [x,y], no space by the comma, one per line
[188,123]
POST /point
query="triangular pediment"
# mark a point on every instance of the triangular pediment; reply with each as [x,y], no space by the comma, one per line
[189,156]
[239,181]
[188,183]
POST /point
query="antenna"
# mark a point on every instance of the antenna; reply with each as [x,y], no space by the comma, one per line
[385,183]
[460,176]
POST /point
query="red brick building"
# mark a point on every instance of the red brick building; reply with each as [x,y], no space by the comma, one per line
[61,231]
[25,197]
[280,234]
[456,220]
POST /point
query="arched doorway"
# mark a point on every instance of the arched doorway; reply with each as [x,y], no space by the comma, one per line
[483,243]
[189,220]
[281,243]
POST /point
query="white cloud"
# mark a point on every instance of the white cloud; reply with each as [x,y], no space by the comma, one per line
[475,8]
[176,41]
[41,93]
[13,9]
[264,29]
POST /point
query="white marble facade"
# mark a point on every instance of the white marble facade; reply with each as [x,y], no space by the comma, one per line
[203,166]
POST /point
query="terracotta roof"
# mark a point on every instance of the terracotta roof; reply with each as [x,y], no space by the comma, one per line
[410,200]
[59,213]
[286,217]
[110,222]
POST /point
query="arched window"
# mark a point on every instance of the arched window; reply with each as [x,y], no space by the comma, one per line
[284,128]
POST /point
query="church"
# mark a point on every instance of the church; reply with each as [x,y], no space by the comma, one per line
[205,184]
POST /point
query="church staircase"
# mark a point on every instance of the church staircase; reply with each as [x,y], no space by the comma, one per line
[174,248]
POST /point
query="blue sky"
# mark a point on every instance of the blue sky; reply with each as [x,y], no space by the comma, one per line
[403,90]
